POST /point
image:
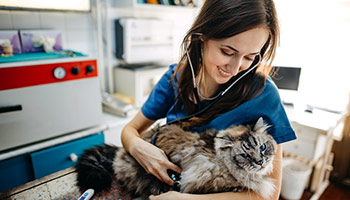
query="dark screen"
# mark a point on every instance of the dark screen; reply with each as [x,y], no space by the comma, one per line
[287,77]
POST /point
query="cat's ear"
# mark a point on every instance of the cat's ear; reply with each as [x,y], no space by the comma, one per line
[260,126]
[223,140]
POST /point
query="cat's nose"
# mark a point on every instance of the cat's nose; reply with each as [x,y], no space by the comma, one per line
[258,162]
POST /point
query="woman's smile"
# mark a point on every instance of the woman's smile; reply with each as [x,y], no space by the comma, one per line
[224,73]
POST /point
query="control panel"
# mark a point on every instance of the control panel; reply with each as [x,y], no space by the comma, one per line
[24,76]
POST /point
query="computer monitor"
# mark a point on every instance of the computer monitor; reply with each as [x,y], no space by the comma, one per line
[286,78]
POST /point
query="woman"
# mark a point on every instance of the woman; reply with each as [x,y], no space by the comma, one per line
[229,38]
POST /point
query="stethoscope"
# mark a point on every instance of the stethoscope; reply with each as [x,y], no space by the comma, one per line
[175,176]
[223,92]
[195,90]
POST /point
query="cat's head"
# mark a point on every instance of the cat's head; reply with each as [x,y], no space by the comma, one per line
[246,148]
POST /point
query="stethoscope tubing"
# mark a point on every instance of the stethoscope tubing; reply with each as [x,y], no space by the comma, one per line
[215,100]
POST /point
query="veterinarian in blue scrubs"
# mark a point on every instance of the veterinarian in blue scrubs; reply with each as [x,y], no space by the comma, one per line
[221,80]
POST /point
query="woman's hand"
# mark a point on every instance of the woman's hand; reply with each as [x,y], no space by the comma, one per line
[172,195]
[153,160]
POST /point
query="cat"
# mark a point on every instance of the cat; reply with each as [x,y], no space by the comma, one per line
[234,159]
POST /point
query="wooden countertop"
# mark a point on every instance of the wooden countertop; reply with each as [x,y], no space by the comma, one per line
[60,185]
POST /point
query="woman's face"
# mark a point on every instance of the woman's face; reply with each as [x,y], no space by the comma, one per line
[225,58]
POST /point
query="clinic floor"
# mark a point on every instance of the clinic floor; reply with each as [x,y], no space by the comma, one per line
[333,192]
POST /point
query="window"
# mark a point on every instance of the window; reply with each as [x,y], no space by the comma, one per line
[75,5]
[315,36]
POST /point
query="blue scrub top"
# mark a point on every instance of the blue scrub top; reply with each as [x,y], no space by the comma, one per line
[161,103]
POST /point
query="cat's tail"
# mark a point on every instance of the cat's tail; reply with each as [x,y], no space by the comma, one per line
[95,168]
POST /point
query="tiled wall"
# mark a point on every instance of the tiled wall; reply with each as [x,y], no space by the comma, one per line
[78,29]
[80,33]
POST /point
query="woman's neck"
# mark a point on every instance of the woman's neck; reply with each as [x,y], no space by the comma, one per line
[206,87]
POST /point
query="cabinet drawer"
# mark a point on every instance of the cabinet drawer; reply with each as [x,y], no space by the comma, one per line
[300,147]
[56,158]
[305,133]
[15,171]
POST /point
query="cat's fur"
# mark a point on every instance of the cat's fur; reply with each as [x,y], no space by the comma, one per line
[233,159]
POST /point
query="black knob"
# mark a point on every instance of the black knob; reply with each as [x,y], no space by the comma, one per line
[75,70]
[89,69]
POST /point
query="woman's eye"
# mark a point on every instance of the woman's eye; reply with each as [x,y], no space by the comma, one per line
[262,147]
[249,59]
[226,53]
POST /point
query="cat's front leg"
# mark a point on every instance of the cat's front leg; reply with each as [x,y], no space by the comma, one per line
[238,189]
[265,187]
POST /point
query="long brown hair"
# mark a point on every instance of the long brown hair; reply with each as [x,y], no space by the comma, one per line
[219,19]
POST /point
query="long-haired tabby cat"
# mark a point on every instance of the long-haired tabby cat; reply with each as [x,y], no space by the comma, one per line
[234,159]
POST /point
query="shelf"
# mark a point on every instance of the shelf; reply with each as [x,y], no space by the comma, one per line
[133,4]
[47,61]
[158,6]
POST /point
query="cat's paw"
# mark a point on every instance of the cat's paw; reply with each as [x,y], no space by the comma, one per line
[267,188]
[238,189]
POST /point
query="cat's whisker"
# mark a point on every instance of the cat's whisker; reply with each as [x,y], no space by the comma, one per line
[249,186]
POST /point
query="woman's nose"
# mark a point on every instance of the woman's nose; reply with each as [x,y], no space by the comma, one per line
[235,65]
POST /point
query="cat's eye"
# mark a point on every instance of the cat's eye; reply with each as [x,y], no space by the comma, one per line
[244,155]
[262,147]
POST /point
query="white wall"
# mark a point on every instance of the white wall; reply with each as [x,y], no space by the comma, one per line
[80,29]
[77,28]
[315,36]
[182,19]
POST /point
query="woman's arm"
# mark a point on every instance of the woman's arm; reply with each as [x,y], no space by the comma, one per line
[276,174]
[151,158]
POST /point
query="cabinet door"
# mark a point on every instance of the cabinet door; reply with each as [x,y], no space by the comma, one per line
[59,108]
[56,158]
[310,142]
[14,172]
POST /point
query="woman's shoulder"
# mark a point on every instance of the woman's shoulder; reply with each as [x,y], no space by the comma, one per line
[169,73]
[270,92]
[167,76]
[162,96]
[172,67]
[270,86]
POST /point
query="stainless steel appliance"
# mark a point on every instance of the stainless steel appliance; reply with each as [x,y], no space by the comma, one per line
[47,100]
[144,40]
[137,83]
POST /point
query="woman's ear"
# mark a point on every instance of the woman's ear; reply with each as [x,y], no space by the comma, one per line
[201,37]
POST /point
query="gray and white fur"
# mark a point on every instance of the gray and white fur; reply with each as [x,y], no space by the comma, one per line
[235,159]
